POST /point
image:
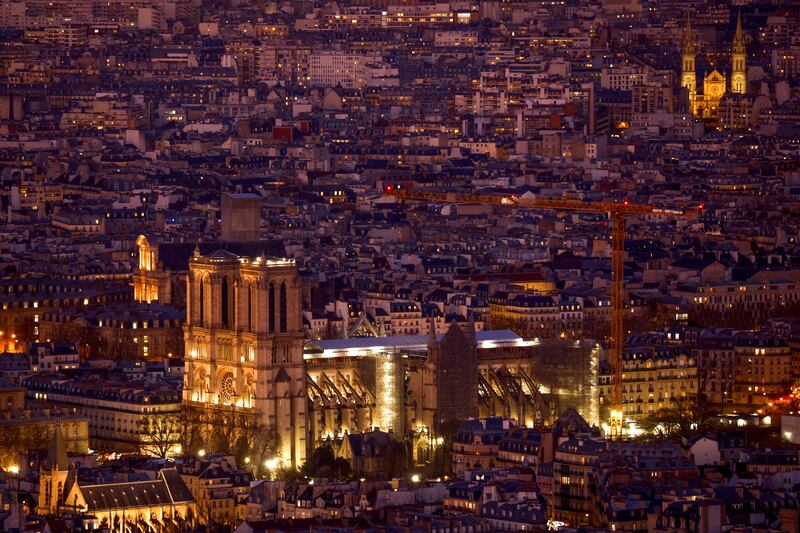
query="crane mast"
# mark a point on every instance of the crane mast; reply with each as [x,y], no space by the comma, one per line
[616,213]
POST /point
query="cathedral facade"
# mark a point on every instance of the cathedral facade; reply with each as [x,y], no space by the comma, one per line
[244,344]
[704,102]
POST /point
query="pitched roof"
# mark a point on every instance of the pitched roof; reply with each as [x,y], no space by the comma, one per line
[57,452]
[693,263]
[169,488]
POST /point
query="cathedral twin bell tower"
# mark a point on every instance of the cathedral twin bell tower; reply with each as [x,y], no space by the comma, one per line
[705,104]
[244,344]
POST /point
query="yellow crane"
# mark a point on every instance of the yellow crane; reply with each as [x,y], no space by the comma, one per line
[616,214]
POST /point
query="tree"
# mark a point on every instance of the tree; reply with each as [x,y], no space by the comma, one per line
[685,416]
[324,463]
[442,462]
[223,431]
[173,344]
[159,434]
[231,432]
[86,339]
[264,445]
[16,440]
[517,326]
[26,332]
[191,422]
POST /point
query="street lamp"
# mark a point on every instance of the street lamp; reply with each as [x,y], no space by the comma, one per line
[201,453]
[271,464]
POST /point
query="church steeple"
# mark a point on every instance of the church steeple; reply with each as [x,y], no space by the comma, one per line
[688,74]
[738,39]
[57,452]
[739,60]
[688,38]
[53,475]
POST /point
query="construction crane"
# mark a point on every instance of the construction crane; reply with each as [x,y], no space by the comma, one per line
[616,213]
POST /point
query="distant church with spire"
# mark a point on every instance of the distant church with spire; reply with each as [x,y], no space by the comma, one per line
[161,504]
[704,103]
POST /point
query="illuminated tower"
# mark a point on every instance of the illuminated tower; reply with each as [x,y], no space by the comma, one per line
[739,67]
[54,475]
[244,345]
[688,74]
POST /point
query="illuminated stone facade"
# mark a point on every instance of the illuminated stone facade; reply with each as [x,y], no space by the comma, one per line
[244,344]
[150,283]
[160,272]
[705,103]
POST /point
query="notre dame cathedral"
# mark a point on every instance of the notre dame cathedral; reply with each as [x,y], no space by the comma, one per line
[244,343]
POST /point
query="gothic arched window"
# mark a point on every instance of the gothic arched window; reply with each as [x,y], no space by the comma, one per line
[271,305]
[224,302]
[249,307]
[283,307]
[226,390]
[202,306]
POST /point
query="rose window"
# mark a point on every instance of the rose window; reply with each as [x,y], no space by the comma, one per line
[226,391]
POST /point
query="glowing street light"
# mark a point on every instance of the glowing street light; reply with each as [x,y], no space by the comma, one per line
[201,453]
[415,478]
[271,464]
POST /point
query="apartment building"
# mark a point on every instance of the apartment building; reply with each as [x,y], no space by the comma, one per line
[539,314]
[573,474]
[655,378]
[116,410]
[348,69]
[762,369]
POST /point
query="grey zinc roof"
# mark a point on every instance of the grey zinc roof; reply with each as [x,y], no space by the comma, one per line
[409,340]
[169,488]
[126,495]
[177,488]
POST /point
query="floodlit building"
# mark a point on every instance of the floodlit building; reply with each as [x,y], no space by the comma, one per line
[704,101]
[164,502]
[244,344]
